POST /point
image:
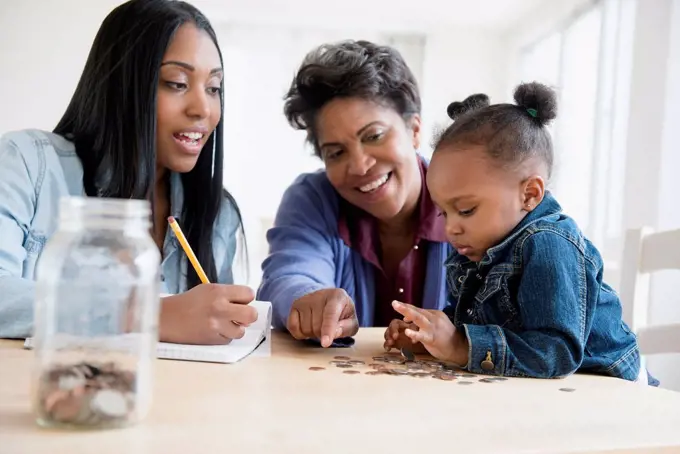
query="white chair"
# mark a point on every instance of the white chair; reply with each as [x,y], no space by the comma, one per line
[645,252]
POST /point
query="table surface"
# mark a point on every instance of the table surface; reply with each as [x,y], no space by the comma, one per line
[276,405]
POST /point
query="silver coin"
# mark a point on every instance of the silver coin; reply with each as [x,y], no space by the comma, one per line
[498,379]
[486,380]
[344,365]
[356,362]
[468,375]
[336,362]
[398,372]
[379,358]
[110,403]
[463,382]
[567,390]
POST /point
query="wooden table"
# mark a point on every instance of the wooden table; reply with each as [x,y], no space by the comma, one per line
[277,406]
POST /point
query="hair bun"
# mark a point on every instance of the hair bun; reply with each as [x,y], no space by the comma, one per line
[539,100]
[472,102]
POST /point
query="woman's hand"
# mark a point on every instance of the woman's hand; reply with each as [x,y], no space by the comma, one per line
[325,314]
[208,314]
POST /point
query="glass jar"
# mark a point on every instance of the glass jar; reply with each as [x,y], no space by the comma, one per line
[96,316]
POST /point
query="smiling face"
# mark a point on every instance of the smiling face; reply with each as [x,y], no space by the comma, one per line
[482,201]
[369,153]
[188,101]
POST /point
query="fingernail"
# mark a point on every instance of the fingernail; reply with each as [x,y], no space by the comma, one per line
[325,341]
[395,303]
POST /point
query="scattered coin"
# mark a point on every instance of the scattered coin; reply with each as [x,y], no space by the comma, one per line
[342,358]
[567,390]
[344,365]
[445,377]
[420,374]
[468,375]
[356,362]
[498,379]
[486,380]
[375,372]
[317,368]
[337,362]
[351,372]
[87,394]
[463,382]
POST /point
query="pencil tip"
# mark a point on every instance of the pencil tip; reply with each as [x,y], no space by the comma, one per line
[171,219]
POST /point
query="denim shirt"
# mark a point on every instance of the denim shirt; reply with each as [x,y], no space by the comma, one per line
[37,168]
[536,305]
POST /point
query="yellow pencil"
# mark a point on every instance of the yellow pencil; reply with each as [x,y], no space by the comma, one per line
[187,249]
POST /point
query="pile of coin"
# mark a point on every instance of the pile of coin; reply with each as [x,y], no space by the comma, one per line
[406,364]
[86,395]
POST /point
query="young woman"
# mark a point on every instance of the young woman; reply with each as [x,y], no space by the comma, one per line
[145,122]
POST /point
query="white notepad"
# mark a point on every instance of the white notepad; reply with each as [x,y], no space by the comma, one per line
[256,342]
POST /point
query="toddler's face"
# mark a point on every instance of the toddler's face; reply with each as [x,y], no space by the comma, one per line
[481,201]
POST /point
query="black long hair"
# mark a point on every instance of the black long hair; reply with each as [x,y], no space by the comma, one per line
[111,119]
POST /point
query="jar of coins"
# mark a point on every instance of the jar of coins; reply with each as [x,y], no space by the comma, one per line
[96,316]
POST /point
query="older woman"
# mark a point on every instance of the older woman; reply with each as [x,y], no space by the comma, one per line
[349,240]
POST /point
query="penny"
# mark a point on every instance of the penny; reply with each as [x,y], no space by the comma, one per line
[376,365]
[343,365]
[445,377]
[567,390]
[463,382]
[374,372]
[317,368]
[356,362]
[420,374]
[343,358]
[379,358]
[337,362]
[351,372]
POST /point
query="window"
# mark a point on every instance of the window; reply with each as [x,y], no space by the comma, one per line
[587,61]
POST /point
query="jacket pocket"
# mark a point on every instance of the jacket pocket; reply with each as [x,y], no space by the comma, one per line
[493,304]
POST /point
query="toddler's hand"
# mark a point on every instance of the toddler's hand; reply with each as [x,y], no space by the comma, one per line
[396,338]
[435,331]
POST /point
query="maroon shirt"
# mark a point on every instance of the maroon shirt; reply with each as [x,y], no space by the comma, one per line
[359,231]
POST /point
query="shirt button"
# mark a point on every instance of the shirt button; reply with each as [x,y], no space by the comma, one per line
[401,290]
[162,277]
[469,312]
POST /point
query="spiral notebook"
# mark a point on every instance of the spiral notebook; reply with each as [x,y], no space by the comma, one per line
[256,342]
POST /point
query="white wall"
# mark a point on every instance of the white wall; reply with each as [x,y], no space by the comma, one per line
[458,63]
[43,48]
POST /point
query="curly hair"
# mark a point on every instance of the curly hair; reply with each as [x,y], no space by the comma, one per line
[510,133]
[349,69]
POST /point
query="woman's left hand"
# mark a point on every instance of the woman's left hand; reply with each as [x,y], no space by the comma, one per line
[436,332]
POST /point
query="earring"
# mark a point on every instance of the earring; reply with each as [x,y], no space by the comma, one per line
[528,206]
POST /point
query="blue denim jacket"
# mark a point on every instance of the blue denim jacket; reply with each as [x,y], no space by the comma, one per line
[536,305]
[37,168]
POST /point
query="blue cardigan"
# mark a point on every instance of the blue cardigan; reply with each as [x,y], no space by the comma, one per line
[306,254]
